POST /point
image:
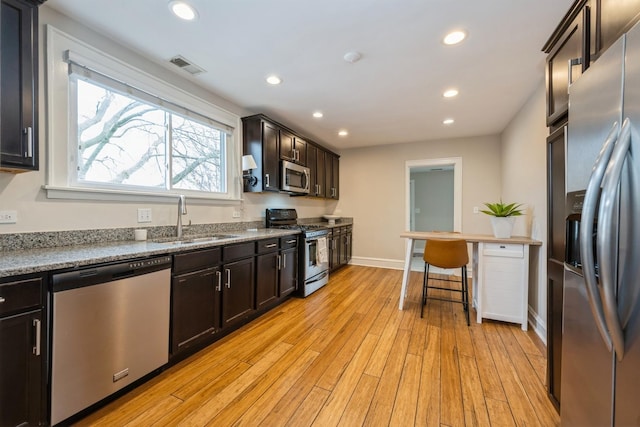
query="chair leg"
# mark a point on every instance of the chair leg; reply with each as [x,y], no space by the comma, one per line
[466,293]
[423,301]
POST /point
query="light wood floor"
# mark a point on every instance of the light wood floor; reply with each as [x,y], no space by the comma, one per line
[347,356]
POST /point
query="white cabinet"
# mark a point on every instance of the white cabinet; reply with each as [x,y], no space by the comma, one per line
[502,292]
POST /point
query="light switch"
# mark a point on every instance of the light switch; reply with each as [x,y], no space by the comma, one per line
[144,215]
[8,217]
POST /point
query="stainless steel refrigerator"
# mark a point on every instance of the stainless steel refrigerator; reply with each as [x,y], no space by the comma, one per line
[601,316]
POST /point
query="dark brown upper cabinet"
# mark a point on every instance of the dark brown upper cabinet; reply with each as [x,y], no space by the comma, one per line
[19,85]
[569,51]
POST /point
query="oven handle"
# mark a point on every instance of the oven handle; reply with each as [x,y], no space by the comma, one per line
[319,277]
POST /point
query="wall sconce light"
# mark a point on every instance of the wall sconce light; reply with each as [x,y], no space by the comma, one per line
[248,164]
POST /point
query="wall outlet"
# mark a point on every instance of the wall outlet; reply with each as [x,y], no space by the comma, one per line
[144,215]
[8,217]
[236,214]
[476,210]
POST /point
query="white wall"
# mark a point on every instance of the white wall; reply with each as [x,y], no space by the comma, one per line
[24,194]
[373,191]
[523,146]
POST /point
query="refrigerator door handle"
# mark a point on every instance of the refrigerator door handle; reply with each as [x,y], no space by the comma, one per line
[590,205]
[608,236]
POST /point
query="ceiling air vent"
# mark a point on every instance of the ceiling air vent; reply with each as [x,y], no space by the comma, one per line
[183,63]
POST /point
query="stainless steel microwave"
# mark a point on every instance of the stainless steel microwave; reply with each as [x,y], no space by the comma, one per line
[295,178]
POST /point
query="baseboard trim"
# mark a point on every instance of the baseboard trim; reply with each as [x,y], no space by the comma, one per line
[538,324]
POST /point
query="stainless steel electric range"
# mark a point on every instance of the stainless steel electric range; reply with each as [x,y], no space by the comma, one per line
[313,254]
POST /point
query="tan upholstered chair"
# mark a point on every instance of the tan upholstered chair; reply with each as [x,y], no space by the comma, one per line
[446,253]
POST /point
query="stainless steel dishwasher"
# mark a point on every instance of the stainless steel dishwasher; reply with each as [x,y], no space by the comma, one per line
[110,327]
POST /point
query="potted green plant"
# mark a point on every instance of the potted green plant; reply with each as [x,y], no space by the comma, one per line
[502,217]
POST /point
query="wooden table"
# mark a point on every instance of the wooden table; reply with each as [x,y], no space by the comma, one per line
[486,248]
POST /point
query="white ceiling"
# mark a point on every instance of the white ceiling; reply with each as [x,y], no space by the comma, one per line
[392,95]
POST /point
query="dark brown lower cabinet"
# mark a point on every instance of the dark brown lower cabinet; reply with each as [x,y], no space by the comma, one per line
[340,241]
[195,301]
[22,353]
[266,279]
[555,284]
[237,291]
[289,271]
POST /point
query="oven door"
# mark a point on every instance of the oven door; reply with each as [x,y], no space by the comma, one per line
[316,256]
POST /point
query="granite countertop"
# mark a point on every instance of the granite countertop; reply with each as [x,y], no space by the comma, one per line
[13,263]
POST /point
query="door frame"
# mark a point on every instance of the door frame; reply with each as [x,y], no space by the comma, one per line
[456,162]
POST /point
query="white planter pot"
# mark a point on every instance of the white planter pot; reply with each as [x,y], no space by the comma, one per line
[502,226]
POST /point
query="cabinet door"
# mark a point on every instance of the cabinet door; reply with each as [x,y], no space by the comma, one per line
[556,212]
[321,173]
[555,291]
[334,249]
[195,308]
[270,157]
[332,179]
[287,141]
[312,154]
[572,48]
[237,290]
[343,247]
[347,245]
[18,90]
[615,17]
[288,271]
[21,370]
[266,279]
[301,151]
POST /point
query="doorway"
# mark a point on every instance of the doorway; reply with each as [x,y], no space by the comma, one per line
[433,197]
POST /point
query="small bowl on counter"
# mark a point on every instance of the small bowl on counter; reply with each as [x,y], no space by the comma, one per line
[331,218]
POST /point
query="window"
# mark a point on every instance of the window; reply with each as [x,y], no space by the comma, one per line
[118,133]
[123,141]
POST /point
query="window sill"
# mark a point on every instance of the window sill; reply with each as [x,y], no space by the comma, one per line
[78,193]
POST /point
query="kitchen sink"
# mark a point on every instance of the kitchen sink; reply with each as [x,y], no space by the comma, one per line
[194,239]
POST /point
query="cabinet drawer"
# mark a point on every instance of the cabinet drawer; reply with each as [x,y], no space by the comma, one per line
[197,260]
[288,242]
[20,295]
[267,245]
[507,250]
[241,250]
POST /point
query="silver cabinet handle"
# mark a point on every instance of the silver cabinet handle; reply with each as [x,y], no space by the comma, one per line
[279,262]
[29,132]
[228,278]
[571,63]
[284,262]
[2,300]
[586,234]
[219,285]
[38,328]
[271,245]
[266,179]
[607,232]
[291,241]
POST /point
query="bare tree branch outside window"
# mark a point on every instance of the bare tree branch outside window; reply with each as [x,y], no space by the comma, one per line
[124,141]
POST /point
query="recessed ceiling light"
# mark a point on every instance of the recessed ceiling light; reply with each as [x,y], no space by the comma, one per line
[352,56]
[183,10]
[454,37]
[274,80]
[447,121]
[450,93]
[343,133]
[318,114]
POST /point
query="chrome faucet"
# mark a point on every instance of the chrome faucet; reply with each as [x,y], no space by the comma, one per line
[182,210]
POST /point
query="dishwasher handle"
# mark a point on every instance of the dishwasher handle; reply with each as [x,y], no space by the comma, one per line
[102,273]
